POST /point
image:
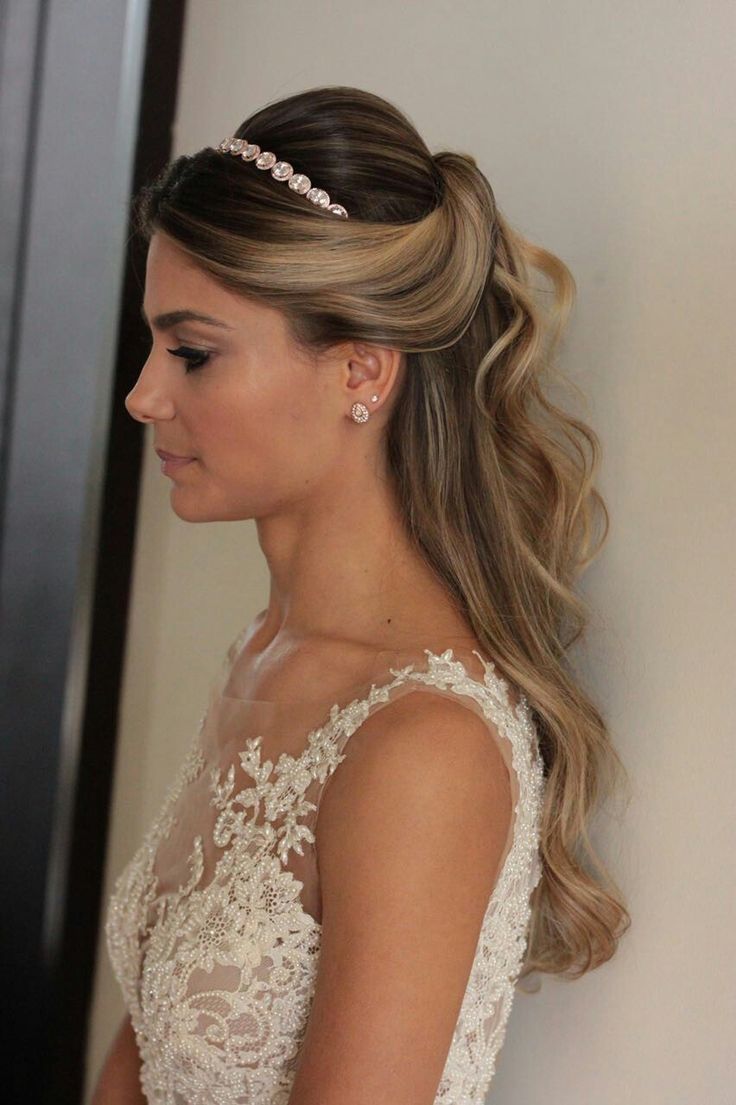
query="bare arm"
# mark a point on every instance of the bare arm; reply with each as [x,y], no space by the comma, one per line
[409,838]
[119,1079]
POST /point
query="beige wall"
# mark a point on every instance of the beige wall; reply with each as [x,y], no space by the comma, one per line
[607,132]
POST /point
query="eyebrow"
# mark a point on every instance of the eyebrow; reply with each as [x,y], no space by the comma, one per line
[169,319]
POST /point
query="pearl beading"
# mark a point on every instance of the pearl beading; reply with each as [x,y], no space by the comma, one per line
[281,170]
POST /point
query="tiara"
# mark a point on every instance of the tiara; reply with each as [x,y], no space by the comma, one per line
[281,170]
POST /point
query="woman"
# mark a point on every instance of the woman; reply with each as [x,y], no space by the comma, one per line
[346,348]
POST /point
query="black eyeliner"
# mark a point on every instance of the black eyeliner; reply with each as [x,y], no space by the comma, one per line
[195,358]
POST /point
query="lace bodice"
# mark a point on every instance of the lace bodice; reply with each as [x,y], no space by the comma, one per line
[213,926]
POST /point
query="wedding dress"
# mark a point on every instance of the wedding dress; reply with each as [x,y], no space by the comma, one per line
[213,928]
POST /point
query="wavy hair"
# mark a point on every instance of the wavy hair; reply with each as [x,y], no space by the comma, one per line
[494,478]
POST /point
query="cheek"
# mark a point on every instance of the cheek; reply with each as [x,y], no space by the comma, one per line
[284,438]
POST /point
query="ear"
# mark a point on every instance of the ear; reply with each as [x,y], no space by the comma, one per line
[373,370]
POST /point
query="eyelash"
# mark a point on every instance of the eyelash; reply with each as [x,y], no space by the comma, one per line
[195,358]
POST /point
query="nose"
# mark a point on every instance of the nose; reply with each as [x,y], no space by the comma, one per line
[147,401]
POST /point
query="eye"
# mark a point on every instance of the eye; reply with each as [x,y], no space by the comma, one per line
[195,358]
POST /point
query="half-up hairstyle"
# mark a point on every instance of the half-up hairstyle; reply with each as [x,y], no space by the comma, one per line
[495,479]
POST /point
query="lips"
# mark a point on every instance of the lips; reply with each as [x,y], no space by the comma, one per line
[172,456]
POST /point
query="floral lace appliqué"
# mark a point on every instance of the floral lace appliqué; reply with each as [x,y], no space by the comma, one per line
[219,978]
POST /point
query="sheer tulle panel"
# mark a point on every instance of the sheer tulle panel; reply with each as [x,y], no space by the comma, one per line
[252,780]
[264,765]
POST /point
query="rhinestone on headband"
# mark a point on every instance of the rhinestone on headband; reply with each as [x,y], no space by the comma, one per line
[281,170]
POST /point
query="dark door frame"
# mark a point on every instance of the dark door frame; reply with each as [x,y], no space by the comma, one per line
[87,99]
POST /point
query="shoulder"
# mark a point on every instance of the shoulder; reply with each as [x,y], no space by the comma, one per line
[422,767]
[420,740]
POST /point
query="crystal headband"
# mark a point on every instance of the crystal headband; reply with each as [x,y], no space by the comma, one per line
[281,170]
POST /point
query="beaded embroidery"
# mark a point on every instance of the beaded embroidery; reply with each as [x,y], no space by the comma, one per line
[219,979]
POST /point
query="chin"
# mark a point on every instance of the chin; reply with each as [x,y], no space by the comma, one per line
[192,512]
[191,515]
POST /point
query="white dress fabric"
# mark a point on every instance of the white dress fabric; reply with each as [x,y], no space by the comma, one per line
[213,928]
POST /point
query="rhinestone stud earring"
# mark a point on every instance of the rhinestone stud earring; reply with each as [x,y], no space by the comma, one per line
[359,412]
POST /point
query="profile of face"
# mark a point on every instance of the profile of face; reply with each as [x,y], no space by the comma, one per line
[265,424]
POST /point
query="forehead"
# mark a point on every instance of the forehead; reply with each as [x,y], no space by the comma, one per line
[170,272]
[176,286]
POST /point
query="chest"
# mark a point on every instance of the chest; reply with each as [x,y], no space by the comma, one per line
[235,842]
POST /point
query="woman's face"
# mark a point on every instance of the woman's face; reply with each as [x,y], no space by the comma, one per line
[263,423]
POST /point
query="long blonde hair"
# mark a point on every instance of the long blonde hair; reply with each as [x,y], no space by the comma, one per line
[495,479]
